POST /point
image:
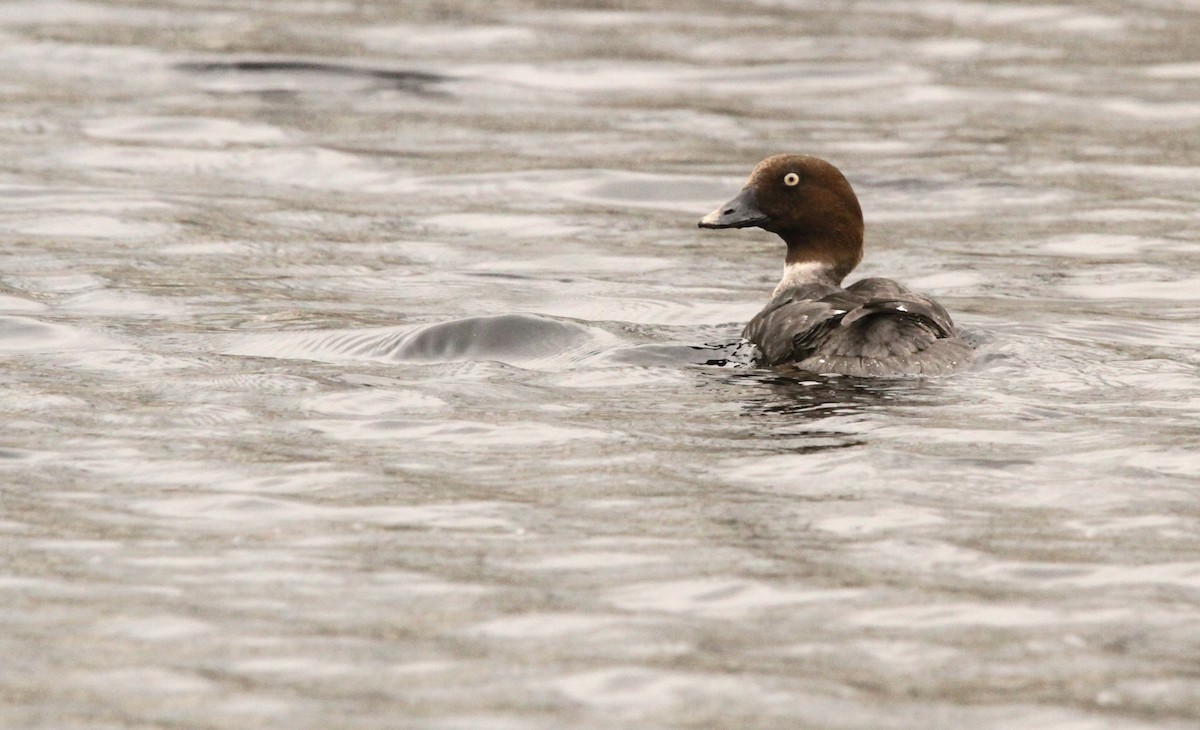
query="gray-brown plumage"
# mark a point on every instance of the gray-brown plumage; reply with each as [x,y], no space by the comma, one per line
[872,327]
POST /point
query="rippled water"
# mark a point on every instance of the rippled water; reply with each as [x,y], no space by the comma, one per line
[352,374]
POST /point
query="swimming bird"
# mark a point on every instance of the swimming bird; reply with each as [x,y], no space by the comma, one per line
[811,323]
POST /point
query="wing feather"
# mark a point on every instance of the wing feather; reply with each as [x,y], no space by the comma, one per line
[873,327]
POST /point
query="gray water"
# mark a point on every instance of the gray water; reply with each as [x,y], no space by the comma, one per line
[352,368]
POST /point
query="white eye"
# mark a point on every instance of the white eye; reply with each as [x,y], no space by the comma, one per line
[791,179]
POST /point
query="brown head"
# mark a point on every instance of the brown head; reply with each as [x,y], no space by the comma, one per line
[808,203]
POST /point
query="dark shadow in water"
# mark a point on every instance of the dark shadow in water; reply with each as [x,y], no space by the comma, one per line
[738,354]
[776,391]
[796,404]
[818,396]
[783,401]
[416,82]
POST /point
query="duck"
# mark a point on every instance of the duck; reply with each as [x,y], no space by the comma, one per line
[874,327]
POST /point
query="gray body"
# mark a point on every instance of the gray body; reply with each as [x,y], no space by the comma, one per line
[873,327]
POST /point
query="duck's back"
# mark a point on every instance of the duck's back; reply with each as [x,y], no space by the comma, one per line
[873,327]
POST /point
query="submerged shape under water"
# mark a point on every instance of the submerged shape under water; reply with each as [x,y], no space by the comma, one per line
[361,367]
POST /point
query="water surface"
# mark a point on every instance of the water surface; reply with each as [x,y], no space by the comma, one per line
[352,368]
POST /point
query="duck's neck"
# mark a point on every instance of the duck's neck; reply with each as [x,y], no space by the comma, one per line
[800,273]
[825,260]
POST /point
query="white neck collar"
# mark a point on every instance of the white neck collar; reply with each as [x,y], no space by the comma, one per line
[805,272]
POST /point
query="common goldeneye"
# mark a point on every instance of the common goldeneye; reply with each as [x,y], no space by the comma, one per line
[811,323]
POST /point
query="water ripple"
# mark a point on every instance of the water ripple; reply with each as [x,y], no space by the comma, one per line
[522,339]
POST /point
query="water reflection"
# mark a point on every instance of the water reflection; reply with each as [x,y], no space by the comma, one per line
[367,395]
[817,396]
[808,413]
[265,76]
